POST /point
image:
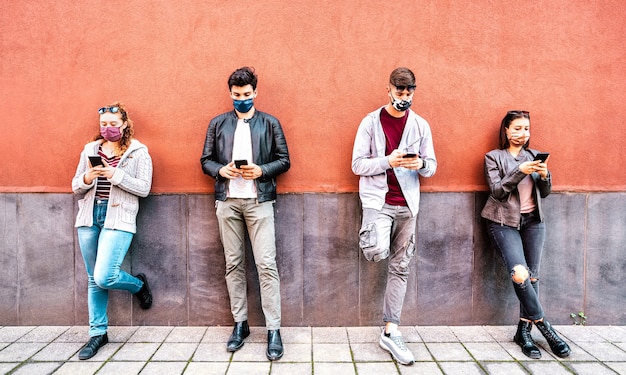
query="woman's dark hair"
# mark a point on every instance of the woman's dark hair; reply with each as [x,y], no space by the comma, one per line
[127,133]
[506,121]
[242,77]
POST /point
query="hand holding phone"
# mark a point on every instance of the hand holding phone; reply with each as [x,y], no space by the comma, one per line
[409,155]
[239,163]
[96,161]
[542,156]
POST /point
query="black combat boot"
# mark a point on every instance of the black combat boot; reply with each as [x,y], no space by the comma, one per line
[525,340]
[558,346]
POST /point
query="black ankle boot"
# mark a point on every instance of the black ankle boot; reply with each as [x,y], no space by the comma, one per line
[275,349]
[91,348]
[144,295]
[558,346]
[240,332]
[525,340]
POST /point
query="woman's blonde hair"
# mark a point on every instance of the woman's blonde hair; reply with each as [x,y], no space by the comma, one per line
[127,133]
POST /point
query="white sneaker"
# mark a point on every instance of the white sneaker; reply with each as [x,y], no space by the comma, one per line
[394,344]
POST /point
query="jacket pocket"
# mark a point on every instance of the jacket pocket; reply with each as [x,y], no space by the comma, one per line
[128,212]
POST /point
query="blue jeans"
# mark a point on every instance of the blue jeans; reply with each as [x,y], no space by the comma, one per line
[390,233]
[234,217]
[522,247]
[103,251]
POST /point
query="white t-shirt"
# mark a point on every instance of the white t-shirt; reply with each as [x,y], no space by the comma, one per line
[242,149]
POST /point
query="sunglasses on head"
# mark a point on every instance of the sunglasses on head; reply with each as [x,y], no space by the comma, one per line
[517,113]
[411,88]
[103,110]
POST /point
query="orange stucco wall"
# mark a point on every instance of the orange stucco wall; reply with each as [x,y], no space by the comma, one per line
[322,66]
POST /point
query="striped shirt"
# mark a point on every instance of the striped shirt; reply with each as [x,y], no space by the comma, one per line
[103,186]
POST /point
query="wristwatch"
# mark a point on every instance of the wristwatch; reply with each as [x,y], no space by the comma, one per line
[423,164]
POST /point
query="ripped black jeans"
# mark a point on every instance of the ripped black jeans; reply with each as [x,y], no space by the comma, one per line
[522,247]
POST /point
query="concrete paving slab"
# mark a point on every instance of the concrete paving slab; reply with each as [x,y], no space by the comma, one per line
[136,351]
[150,334]
[340,350]
[43,334]
[249,368]
[595,368]
[370,352]
[283,368]
[11,334]
[212,352]
[205,368]
[20,351]
[504,368]
[331,353]
[117,368]
[465,368]
[325,368]
[217,334]
[175,352]
[364,334]
[329,335]
[436,334]
[472,334]
[37,368]
[376,368]
[163,368]
[421,368]
[297,353]
[186,334]
[487,351]
[296,335]
[552,368]
[448,351]
[83,368]
[57,351]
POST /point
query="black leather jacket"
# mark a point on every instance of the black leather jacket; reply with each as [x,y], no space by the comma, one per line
[269,151]
[503,175]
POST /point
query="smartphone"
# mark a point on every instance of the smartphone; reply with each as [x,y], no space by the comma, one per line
[239,163]
[95,161]
[409,156]
[542,156]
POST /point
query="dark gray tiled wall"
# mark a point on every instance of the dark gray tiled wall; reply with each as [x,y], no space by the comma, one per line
[456,279]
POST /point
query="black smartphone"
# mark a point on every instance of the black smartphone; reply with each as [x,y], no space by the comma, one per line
[95,161]
[542,156]
[409,156]
[239,163]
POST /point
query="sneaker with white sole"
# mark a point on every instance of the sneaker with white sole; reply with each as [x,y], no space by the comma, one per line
[394,344]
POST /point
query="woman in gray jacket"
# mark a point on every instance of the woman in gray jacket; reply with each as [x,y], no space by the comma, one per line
[114,170]
[518,179]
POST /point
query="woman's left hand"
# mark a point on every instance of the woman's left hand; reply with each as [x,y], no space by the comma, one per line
[251,172]
[106,171]
[542,169]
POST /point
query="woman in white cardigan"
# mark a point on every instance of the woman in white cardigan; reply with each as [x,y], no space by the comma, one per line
[114,170]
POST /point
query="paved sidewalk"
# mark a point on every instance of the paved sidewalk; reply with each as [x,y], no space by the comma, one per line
[455,350]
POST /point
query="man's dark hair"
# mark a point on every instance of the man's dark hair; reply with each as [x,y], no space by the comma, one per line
[242,77]
[402,77]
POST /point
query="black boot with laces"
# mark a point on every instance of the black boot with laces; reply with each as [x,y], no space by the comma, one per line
[525,340]
[558,346]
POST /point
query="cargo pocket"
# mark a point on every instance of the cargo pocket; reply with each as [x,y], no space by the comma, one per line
[368,242]
[409,253]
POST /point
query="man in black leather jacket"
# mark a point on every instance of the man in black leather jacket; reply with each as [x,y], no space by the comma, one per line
[244,151]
